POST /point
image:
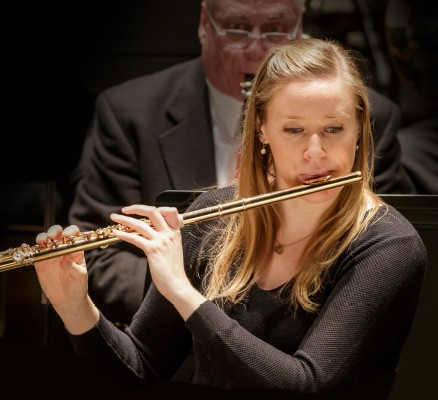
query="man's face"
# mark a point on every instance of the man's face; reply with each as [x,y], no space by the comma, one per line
[228,61]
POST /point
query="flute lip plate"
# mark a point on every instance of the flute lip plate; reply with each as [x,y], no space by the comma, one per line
[318,180]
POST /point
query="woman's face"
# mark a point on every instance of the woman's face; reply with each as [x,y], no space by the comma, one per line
[312,131]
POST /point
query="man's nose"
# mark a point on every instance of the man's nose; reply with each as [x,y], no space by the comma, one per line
[256,44]
[256,47]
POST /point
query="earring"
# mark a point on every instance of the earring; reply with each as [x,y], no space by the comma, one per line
[263,150]
[357,147]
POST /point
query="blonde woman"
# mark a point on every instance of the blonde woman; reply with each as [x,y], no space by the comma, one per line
[311,295]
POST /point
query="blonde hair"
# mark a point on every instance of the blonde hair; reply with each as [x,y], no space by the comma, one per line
[241,236]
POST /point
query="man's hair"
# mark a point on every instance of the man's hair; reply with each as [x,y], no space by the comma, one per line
[211,4]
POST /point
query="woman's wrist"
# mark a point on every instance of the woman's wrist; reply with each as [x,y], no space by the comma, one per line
[79,319]
[187,301]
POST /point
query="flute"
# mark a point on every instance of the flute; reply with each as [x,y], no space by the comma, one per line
[102,237]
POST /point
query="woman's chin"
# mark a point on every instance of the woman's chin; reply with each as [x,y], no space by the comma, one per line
[323,196]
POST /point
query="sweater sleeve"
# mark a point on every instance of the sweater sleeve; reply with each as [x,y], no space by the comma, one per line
[150,350]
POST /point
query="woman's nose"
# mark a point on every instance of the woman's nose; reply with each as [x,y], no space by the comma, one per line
[314,147]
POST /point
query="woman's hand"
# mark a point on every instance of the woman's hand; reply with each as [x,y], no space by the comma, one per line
[160,240]
[64,280]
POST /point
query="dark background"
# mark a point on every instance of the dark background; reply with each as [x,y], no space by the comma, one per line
[56,58]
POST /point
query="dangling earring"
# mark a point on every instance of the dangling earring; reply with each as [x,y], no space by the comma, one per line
[263,151]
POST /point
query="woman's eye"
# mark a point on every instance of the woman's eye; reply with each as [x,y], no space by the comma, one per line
[333,129]
[293,130]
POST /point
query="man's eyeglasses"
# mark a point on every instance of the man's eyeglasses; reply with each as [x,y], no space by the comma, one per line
[240,39]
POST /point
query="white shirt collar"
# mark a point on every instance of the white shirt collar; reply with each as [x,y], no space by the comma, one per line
[226,116]
[226,110]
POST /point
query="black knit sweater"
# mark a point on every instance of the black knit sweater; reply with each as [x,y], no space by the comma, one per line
[368,304]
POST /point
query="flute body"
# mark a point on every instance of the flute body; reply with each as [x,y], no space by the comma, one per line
[25,254]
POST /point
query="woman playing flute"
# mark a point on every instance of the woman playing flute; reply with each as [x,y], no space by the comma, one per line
[311,295]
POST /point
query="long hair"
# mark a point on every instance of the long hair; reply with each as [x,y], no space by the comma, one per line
[241,237]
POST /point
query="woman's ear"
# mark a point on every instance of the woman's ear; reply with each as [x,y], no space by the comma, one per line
[261,136]
[259,129]
[258,124]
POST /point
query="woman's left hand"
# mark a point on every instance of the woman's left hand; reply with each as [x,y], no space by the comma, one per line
[160,240]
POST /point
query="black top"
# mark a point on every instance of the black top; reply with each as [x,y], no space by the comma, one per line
[368,303]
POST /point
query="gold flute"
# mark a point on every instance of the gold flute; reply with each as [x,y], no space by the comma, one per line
[102,237]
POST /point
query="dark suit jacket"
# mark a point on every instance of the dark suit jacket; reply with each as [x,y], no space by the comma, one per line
[151,134]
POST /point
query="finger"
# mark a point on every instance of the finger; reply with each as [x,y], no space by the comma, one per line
[137,225]
[74,264]
[171,216]
[139,209]
[137,240]
[41,238]
[54,232]
[160,218]
[71,230]
[144,211]
[150,212]
[78,258]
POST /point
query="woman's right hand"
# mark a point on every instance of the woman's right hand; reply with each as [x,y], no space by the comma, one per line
[64,280]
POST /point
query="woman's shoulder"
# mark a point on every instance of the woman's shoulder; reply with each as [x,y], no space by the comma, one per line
[388,252]
[391,232]
[389,221]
